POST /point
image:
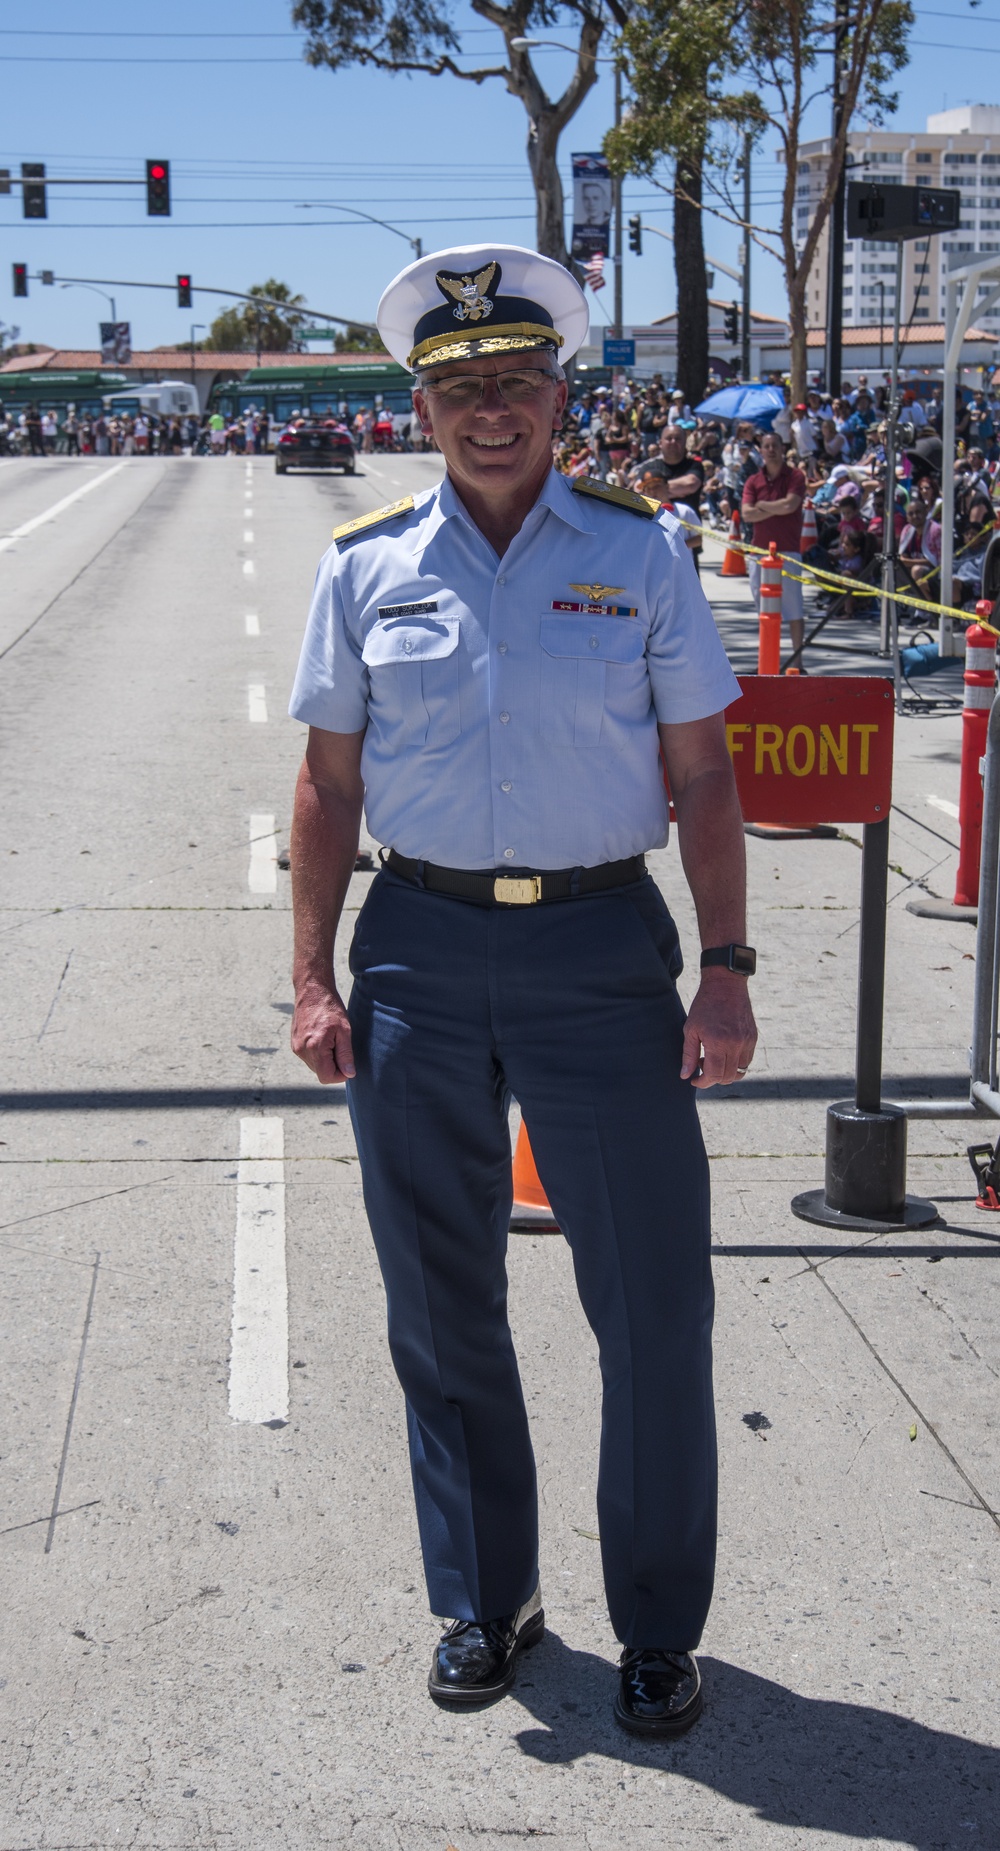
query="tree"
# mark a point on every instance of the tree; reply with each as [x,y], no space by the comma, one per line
[8,339]
[264,328]
[358,340]
[413,35]
[680,56]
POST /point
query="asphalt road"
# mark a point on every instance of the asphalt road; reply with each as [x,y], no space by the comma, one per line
[214,1626]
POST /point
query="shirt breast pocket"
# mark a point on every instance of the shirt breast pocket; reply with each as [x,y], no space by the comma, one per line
[413,673]
[593,681]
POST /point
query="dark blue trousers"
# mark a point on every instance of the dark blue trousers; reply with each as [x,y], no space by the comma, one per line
[572,1008]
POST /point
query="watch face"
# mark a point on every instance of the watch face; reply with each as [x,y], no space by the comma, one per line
[743,959]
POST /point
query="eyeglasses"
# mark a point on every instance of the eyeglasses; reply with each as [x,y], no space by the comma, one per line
[515,388]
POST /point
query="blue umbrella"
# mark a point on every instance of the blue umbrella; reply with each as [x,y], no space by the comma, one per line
[753,404]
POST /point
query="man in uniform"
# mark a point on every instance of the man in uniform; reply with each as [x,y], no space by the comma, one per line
[491,669]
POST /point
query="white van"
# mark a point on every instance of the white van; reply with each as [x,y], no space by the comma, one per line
[167,398]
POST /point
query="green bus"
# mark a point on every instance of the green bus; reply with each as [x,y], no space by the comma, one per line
[58,391]
[340,388]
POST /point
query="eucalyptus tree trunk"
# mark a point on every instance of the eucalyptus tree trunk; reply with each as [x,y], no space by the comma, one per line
[689,268]
[543,160]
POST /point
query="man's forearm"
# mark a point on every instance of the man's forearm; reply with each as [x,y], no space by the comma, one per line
[713,855]
[324,845]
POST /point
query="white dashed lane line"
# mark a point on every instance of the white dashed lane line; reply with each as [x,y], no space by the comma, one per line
[258,1363]
[248,568]
[257,703]
[248,536]
[262,875]
[252,622]
[49,514]
[943,804]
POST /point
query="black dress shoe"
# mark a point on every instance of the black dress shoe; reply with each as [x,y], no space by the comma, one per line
[660,1692]
[474,1662]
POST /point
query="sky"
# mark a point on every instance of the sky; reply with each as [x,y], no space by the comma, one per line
[266,154]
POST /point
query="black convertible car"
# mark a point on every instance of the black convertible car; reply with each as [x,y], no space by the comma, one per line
[315,446]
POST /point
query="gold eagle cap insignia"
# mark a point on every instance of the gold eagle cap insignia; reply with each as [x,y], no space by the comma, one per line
[595,592]
[469,293]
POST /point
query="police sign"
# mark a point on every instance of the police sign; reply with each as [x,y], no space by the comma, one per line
[812,751]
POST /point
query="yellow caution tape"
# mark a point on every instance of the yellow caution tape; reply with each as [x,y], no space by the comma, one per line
[816,574]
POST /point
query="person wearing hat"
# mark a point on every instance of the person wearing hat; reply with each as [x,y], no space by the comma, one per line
[678,408]
[491,669]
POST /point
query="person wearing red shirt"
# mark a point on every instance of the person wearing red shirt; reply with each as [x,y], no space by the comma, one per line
[772,506]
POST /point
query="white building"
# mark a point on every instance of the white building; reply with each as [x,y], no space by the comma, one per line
[961,148]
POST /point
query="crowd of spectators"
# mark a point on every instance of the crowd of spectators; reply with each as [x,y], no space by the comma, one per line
[645,437]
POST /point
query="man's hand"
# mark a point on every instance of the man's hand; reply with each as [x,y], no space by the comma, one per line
[321,1034]
[720,1033]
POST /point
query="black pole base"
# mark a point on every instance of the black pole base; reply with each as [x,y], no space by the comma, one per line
[865,1187]
[813,1206]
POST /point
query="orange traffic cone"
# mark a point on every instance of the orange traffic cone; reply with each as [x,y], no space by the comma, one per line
[531,1204]
[734,563]
[810,533]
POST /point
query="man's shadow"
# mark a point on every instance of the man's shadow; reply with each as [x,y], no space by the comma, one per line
[820,1765]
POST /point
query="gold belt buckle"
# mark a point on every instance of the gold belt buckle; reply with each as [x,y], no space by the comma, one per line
[511,892]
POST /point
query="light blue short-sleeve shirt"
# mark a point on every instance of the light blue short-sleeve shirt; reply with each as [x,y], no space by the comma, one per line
[511,705]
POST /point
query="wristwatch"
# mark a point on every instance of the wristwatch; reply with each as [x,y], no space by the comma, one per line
[739,958]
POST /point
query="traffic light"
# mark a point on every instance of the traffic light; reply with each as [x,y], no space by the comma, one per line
[731,323]
[635,234]
[20,279]
[33,204]
[183,292]
[158,189]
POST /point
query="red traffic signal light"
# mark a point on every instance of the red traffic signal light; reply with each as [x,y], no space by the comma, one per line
[20,279]
[158,189]
[183,292]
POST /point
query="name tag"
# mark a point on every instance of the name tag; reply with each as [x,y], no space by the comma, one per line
[596,610]
[426,609]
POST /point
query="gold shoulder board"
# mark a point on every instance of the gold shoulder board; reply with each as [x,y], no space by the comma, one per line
[362,522]
[621,497]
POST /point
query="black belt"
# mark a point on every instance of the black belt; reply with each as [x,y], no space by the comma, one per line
[494,888]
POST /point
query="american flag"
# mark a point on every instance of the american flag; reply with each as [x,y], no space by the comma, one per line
[593,272]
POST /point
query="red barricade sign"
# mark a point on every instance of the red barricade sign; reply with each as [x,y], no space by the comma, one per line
[813,749]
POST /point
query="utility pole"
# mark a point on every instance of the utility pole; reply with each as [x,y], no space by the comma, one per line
[745,262]
[835,240]
[619,311]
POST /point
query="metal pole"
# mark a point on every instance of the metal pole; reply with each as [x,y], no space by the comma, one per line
[953,307]
[881,325]
[745,361]
[619,312]
[888,637]
[871,967]
[835,266]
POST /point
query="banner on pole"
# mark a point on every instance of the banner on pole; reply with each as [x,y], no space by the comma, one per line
[592,196]
[116,343]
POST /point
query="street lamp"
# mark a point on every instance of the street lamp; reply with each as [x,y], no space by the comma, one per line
[94,292]
[310,205]
[594,58]
[195,326]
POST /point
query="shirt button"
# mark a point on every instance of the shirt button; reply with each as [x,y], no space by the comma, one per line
[504,717]
[502,580]
[506,785]
[501,649]
[408,644]
[593,642]
[508,854]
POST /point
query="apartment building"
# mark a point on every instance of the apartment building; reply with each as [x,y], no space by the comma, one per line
[961,148]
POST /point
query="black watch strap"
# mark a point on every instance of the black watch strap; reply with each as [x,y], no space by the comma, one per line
[739,958]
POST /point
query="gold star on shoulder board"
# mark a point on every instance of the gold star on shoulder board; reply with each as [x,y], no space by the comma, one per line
[596,592]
